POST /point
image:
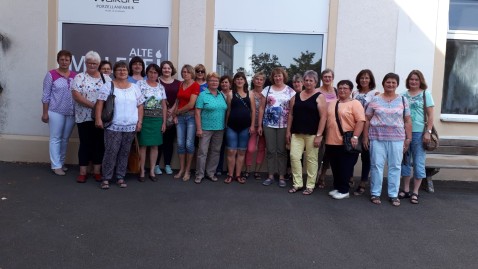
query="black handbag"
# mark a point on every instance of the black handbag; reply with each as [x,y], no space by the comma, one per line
[108,107]
[434,139]
[347,136]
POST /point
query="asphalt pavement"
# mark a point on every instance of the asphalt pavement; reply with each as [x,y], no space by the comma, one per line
[49,221]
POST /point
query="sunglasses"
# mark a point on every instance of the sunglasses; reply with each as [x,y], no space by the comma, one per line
[200,71]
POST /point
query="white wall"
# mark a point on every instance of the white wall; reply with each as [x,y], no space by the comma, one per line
[23,66]
[366,38]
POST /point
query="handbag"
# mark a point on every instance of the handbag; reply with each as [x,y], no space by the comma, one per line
[134,165]
[347,136]
[434,138]
[108,107]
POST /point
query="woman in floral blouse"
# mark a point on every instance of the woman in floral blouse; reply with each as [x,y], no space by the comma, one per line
[155,111]
[85,88]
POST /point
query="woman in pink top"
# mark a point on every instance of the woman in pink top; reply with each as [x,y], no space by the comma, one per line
[330,93]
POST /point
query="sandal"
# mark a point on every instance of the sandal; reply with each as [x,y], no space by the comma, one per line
[105,185]
[228,179]
[294,190]
[246,175]
[414,198]
[308,191]
[360,190]
[257,176]
[395,201]
[241,179]
[375,200]
[186,176]
[178,175]
[121,183]
[403,194]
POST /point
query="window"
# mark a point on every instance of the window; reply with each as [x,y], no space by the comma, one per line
[460,91]
[254,52]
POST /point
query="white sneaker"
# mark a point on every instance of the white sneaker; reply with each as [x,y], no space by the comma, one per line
[332,193]
[157,170]
[168,170]
[339,195]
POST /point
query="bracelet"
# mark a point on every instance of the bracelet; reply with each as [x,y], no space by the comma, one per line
[317,135]
[356,137]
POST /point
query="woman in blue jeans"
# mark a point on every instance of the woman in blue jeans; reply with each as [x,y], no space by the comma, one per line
[387,133]
[185,122]
[416,86]
[240,123]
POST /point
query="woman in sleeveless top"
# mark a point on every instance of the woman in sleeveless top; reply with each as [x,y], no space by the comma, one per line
[305,128]
[256,141]
[240,122]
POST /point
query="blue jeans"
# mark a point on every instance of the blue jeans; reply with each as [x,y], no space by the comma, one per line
[186,131]
[237,140]
[61,127]
[380,152]
[418,154]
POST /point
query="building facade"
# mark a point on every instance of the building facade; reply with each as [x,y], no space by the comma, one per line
[438,37]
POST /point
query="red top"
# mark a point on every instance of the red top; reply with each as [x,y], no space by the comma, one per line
[185,94]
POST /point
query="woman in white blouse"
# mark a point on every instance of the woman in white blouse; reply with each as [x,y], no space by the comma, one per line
[127,120]
[84,89]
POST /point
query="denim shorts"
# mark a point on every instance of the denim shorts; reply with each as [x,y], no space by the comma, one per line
[237,140]
[415,156]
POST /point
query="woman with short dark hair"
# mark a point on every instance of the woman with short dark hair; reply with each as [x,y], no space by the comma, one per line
[136,69]
[387,132]
[127,120]
[58,110]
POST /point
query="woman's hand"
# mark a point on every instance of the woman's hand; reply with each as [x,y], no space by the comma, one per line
[365,142]
[163,127]
[99,123]
[44,117]
[252,130]
[259,130]
[318,141]
[288,136]
[138,126]
[427,138]
[406,144]
[354,142]
[175,119]
[199,132]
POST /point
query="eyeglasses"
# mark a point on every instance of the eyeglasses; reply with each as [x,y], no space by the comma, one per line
[200,71]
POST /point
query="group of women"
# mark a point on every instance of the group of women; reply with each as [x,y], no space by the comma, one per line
[225,116]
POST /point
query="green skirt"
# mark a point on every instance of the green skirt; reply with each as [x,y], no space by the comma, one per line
[150,134]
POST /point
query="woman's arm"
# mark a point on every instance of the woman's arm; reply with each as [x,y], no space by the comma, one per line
[252,129]
[190,105]
[98,109]
[80,99]
[197,117]
[365,140]
[262,105]
[322,107]
[228,101]
[288,133]
[140,118]
[426,135]
[408,132]
[164,106]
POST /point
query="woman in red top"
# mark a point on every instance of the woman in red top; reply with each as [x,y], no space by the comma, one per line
[184,119]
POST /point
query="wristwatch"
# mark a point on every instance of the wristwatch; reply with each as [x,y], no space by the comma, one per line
[429,131]
[356,137]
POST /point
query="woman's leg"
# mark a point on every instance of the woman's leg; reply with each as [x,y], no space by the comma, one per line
[56,124]
[395,155]
[153,156]
[281,152]
[419,157]
[123,153]
[231,145]
[65,137]
[261,150]
[214,152]
[181,144]
[142,160]
[311,156]
[241,150]
[296,149]
[271,146]
[378,156]
[202,154]
[251,149]
[190,147]
[85,147]
[112,146]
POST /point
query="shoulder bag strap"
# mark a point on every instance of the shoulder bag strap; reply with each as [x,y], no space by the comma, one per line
[403,102]
[102,78]
[425,108]
[112,88]
[337,119]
